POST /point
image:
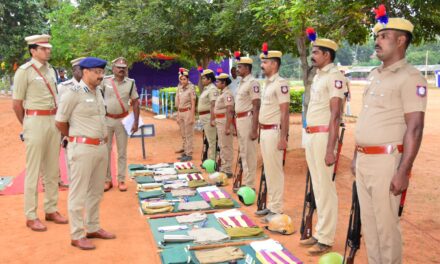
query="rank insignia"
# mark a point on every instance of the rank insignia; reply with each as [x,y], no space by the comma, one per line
[338,84]
[421,90]
[284,89]
[229,98]
[256,89]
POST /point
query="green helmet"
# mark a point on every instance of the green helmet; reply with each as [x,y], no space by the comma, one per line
[246,195]
[209,165]
[331,258]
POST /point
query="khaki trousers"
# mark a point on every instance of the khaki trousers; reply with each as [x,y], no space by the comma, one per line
[210,134]
[226,145]
[42,140]
[115,127]
[273,168]
[379,207]
[186,124]
[88,164]
[248,150]
[324,188]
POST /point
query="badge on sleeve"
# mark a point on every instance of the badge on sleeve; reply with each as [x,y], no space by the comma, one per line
[256,89]
[421,90]
[229,98]
[338,84]
[284,89]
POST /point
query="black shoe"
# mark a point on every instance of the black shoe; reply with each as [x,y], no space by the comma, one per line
[186,158]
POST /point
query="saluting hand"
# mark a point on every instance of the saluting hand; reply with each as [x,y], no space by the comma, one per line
[399,183]
[330,158]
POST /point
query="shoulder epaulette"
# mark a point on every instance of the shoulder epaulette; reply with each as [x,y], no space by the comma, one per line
[26,65]
[68,82]
[108,76]
[75,87]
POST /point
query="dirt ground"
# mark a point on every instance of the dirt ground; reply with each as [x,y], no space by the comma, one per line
[134,243]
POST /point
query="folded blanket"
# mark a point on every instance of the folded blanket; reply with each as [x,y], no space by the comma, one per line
[242,232]
[183,192]
[191,218]
[219,255]
[144,179]
[193,206]
[221,203]
[197,183]
[207,235]
[151,194]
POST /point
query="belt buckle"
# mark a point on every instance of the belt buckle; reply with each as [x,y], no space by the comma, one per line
[389,149]
[83,140]
[360,149]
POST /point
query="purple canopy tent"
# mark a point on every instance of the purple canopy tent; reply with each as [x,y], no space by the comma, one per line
[152,79]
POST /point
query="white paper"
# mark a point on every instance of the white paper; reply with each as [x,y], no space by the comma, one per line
[228,213]
[128,123]
[269,245]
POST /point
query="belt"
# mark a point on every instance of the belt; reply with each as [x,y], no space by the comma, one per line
[386,149]
[204,112]
[244,114]
[220,115]
[30,112]
[184,109]
[116,116]
[316,129]
[264,127]
[86,140]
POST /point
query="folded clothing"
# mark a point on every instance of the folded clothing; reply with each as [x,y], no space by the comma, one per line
[144,179]
[277,257]
[242,232]
[161,178]
[197,183]
[183,192]
[193,170]
[221,203]
[191,218]
[166,209]
[175,255]
[219,255]
[207,235]
[193,206]
[151,194]
[236,221]
[214,194]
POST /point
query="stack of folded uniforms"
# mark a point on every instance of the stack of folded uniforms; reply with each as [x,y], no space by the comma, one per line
[144,187]
[174,185]
[183,192]
[195,180]
[165,171]
[137,173]
[185,167]
[238,225]
[219,199]
[156,207]
[272,252]
[144,179]
[165,177]
[193,206]
[219,255]
[152,193]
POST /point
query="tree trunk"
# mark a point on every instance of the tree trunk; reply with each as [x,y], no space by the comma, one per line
[307,72]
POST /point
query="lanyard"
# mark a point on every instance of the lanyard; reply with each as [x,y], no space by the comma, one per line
[47,84]
[117,95]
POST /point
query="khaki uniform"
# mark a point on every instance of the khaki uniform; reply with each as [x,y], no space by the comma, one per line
[208,95]
[328,83]
[225,142]
[275,92]
[84,110]
[62,88]
[391,92]
[42,138]
[114,125]
[248,91]
[185,117]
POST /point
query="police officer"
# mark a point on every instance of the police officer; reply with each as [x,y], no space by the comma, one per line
[247,109]
[224,115]
[62,87]
[81,117]
[186,104]
[388,136]
[206,110]
[274,125]
[323,118]
[35,105]
[118,91]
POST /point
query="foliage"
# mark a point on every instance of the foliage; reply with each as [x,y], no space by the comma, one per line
[296,100]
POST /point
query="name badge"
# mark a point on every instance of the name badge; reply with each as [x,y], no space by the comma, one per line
[39,78]
[90,100]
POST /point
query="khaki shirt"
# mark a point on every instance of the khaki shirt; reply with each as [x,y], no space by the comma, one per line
[275,93]
[392,91]
[111,101]
[225,99]
[185,96]
[248,91]
[64,86]
[208,95]
[328,82]
[84,110]
[30,86]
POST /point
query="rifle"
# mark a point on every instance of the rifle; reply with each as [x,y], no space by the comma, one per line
[218,159]
[205,147]
[354,229]
[238,173]
[309,202]
[338,153]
